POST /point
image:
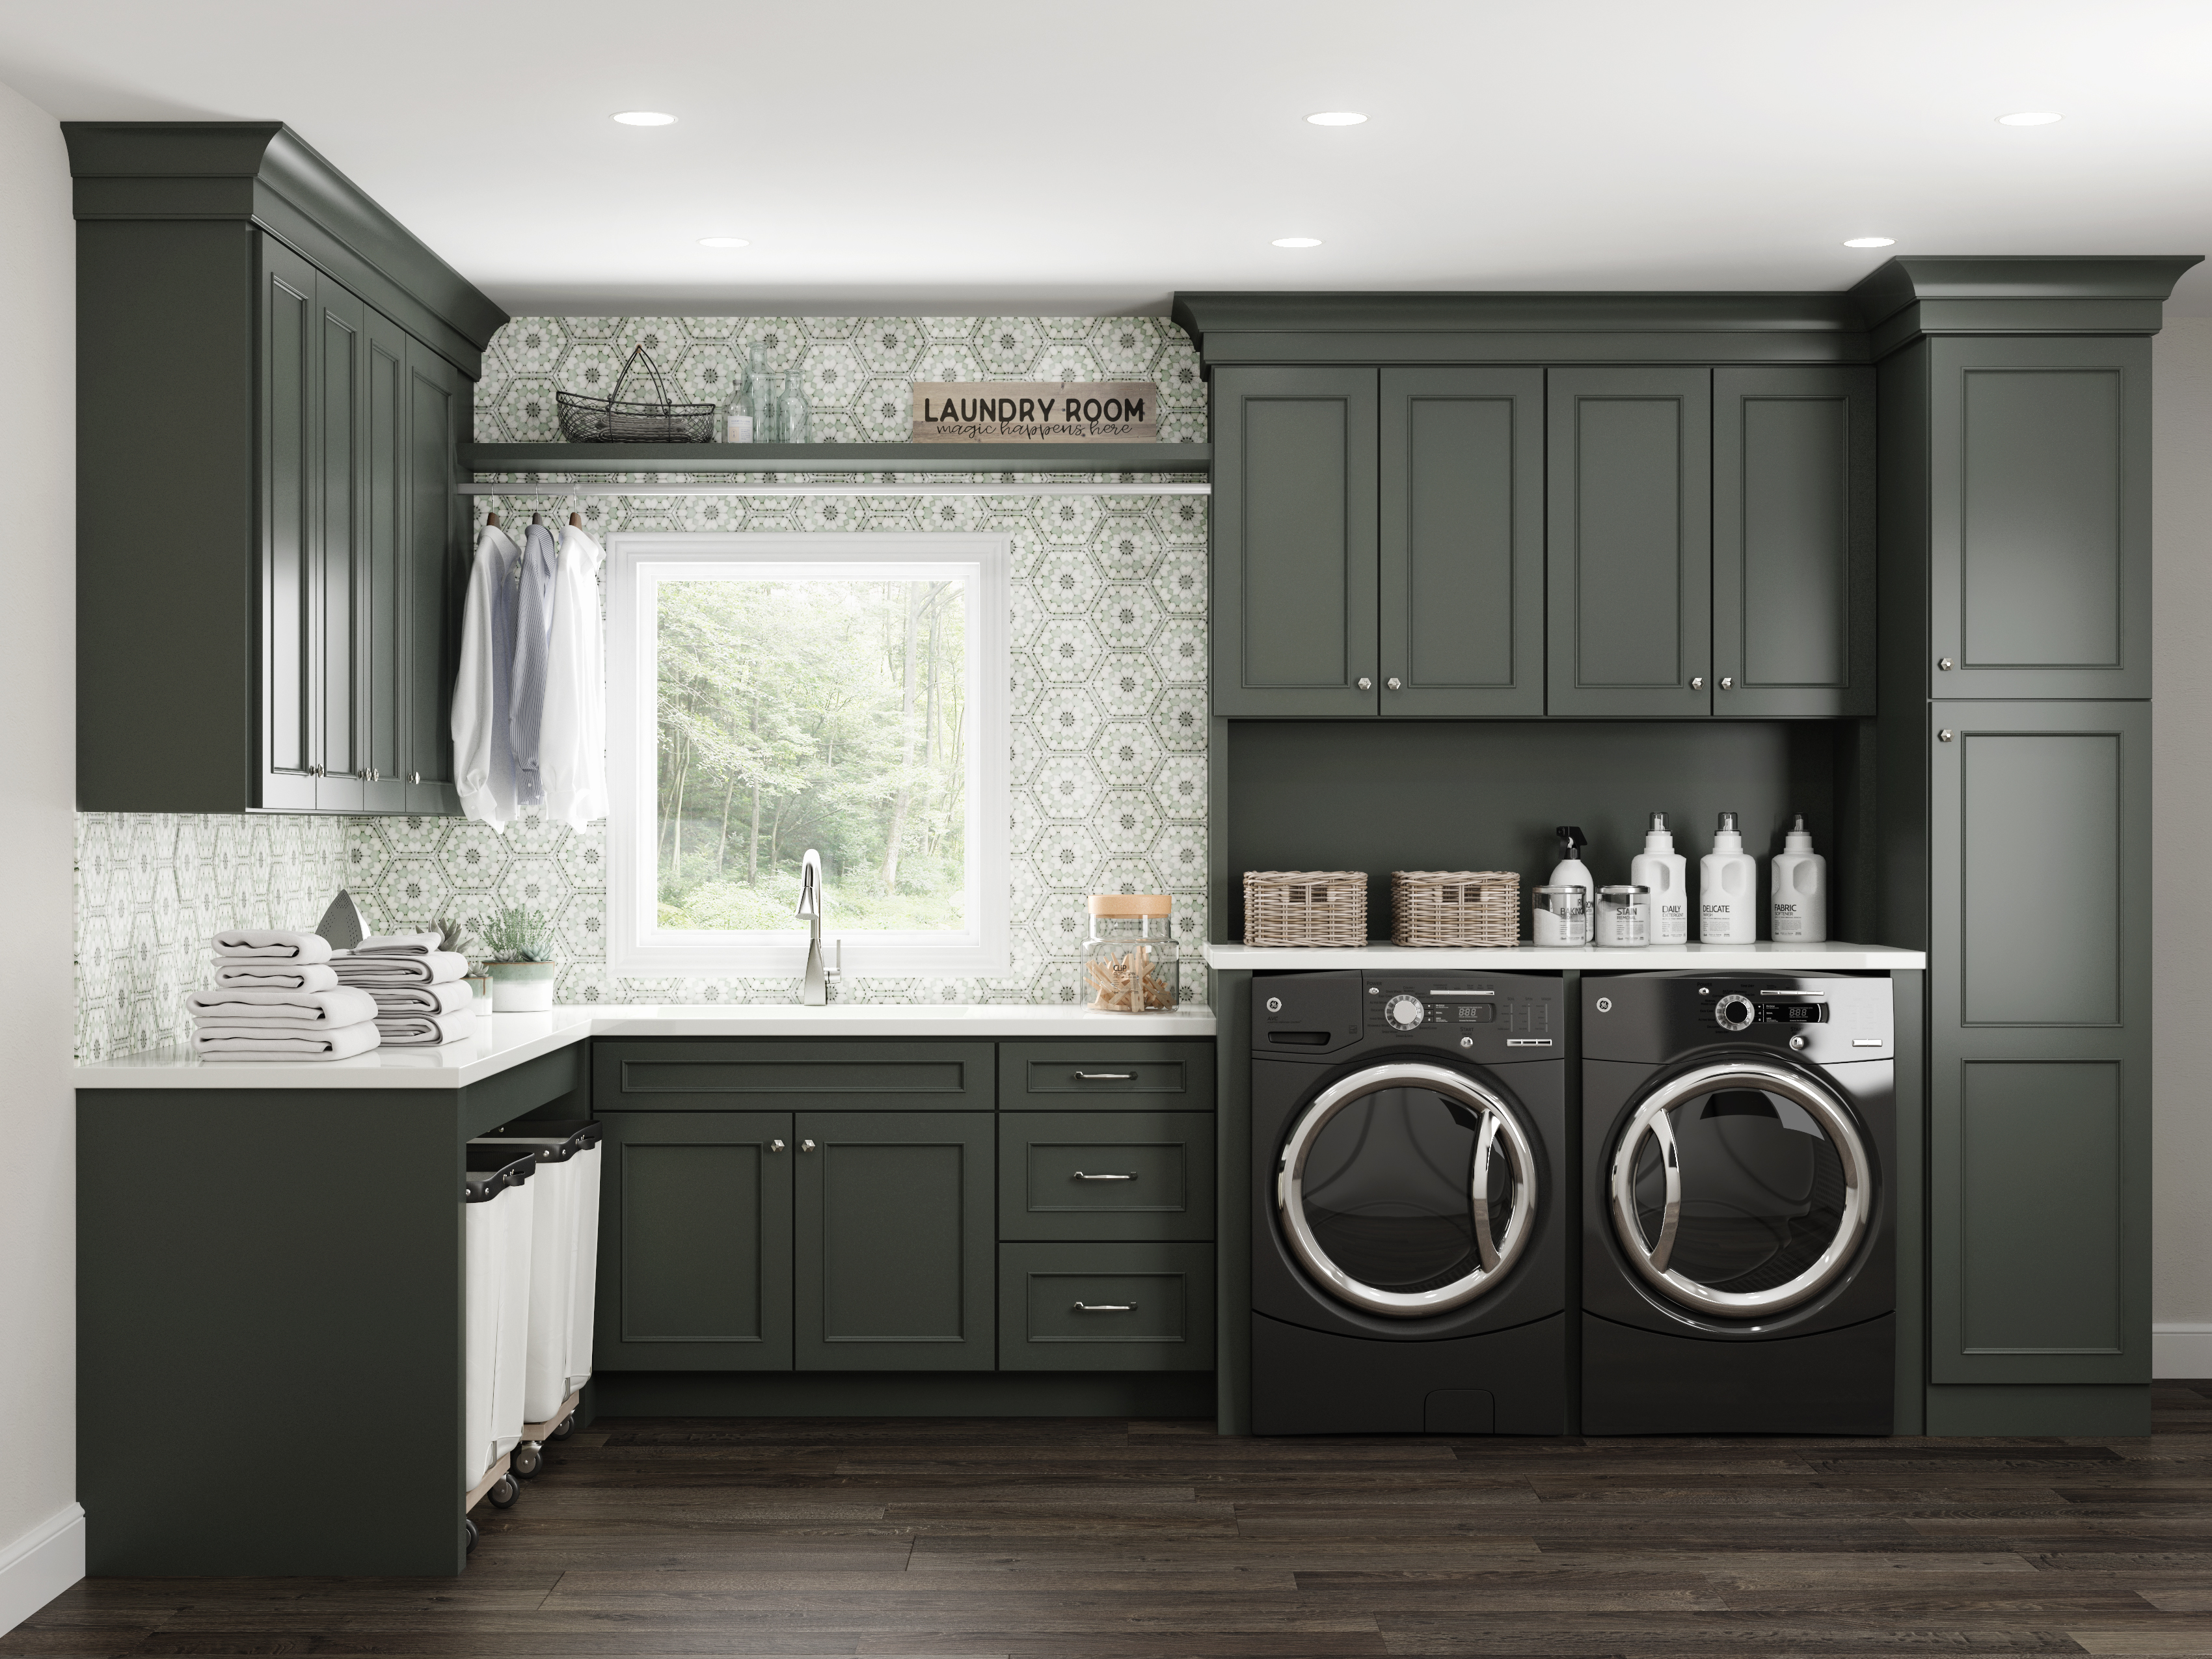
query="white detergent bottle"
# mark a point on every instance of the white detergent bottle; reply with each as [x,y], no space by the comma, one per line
[1798,897]
[1727,890]
[1570,871]
[1667,873]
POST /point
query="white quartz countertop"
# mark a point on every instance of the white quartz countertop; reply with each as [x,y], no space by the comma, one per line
[504,1041]
[1526,958]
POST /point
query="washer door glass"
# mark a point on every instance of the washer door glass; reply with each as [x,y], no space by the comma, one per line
[1741,1189]
[1407,1189]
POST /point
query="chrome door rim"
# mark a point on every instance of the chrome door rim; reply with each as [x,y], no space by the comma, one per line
[1650,1261]
[1500,1126]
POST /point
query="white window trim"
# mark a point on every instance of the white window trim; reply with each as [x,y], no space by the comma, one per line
[634,946]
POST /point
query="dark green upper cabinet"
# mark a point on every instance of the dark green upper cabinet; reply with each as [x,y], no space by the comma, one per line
[1294,542]
[2039,517]
[267,598]
[1461,500]
[1628,604]
[1793,542]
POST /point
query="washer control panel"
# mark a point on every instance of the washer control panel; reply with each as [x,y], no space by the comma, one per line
[1831,1018]
[1326,1015]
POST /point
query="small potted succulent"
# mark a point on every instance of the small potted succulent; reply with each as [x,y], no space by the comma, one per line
[520,943]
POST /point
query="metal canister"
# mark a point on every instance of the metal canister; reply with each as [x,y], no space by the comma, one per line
[1624,915]
[1561,915]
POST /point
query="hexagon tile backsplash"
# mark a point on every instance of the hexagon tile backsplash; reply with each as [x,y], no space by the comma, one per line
[1108,716]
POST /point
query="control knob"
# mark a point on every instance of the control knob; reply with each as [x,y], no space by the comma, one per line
[1735,1013]
[1404,1013]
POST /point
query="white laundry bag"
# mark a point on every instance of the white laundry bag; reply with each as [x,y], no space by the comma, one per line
[495,1300]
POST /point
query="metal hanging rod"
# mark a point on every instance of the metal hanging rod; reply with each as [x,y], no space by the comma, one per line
[932,488]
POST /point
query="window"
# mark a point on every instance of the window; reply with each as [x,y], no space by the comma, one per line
[767,694]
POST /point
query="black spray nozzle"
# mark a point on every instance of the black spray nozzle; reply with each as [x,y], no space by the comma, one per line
[1572,840]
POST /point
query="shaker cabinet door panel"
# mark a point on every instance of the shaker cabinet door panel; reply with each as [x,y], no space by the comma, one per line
[384,476]
[1793,542]
[338,572]
[894,1240]
[1294,542]
[290,632]
[2039,517]
[433,564]
[1461,503]
[1628,577]
[2038,1043]
[695,1243]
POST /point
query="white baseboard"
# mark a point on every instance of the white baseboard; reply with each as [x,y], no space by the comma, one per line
[41,1565]
[2181,1350]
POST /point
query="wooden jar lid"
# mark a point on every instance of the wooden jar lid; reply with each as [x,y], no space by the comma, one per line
[1131,904]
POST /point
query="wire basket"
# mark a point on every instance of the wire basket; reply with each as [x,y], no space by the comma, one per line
[1454,907]
[611,421]
[1305,907]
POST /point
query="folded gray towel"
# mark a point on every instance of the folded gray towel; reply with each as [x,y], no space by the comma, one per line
[271,944]
[426,1031]
[396,945]
[342,1005]
[434,968]
[211,1044]
[275,975]
[447,997]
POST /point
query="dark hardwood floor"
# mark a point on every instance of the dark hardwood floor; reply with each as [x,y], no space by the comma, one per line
[1126,1539]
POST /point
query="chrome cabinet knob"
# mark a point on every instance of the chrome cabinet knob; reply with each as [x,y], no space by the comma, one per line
[1696,682]
[1945,663]
[805,1146]
[775,1145]
[414,777]
[1394,683]
[1366,684]
[1945,735]
[1728,681]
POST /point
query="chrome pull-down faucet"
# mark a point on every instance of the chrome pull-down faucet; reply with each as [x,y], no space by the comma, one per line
[814,987]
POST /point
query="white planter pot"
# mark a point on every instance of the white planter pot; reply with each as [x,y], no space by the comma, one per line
[521,987]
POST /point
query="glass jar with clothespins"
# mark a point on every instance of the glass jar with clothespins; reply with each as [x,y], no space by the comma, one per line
[1129,964]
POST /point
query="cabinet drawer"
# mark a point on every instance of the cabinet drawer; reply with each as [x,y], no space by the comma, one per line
[1119,1074]
[1106,1175]
[681,1074]
[1106,1308]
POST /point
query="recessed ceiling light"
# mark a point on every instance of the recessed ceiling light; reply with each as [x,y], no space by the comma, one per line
[1337,118]
[1297,241]
[645,118]
[2029,118]
[1871,241]
[724,241]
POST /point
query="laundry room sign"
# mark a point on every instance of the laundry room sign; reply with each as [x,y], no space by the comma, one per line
[1036,412]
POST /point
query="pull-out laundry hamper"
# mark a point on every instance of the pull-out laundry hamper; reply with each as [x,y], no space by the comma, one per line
[564,1272]
[497,1214]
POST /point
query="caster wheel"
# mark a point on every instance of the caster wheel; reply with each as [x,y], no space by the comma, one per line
[468,1535]
[565,1427]
[528,1462]
[504,1491]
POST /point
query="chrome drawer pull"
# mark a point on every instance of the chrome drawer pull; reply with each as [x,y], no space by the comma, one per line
[1080,1175]
[1107,1077]
[1105,1307]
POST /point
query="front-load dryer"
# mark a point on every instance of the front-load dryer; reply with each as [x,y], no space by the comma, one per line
[1739,1250]
[1408,1250]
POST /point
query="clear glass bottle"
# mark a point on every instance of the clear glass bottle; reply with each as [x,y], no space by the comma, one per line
[793,422]
[1129,964]
[763,388]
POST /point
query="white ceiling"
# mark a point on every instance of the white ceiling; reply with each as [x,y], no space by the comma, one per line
[1001,154]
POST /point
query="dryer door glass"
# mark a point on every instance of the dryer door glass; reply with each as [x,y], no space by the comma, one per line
[1740,1190]
[1406,1189]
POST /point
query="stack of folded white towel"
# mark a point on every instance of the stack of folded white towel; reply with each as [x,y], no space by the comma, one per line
[420,996]
[276,997]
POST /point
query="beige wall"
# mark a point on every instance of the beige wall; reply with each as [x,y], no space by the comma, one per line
[38,787]
[2181,830]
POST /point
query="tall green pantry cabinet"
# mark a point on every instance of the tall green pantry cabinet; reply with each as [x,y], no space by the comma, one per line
[274,379]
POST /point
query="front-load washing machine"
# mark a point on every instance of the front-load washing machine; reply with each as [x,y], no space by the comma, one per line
[1408,1250]
[1739,1251]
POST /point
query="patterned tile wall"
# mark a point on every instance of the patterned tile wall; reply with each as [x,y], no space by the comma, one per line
[153,889]
[1109,635]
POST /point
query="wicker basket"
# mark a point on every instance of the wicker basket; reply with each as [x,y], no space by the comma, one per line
[610,421]
[1454,907]
[1305,907]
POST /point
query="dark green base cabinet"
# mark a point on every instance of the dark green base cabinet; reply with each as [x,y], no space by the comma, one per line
[805,1208]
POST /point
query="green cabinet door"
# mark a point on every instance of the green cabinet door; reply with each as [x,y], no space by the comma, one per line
[1628,573]
[291,630]
[1294,543]
[432,574]
[2038,512]
[1793,542]
[1462,550]
[695,1243]
[337,573]
[2038,1043]
[894,1240]
[384,510]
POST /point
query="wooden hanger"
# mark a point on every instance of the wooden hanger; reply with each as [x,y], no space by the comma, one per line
[577,520]
[537,518]
[492,518]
